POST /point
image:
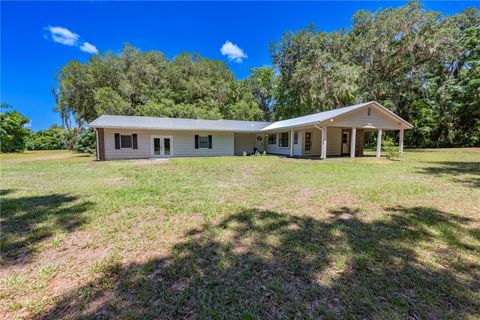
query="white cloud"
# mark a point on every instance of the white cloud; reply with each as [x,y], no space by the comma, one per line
[64,36]
[88,48]
[233,52]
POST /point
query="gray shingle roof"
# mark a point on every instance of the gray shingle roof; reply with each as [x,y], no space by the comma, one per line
[138,122]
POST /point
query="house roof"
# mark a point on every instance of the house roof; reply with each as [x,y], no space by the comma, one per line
[139,122]
[325,115]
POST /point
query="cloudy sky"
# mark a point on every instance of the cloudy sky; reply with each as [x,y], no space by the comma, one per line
[38,38]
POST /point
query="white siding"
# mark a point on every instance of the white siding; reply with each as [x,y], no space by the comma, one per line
[275,149]
[316,142]
[334,138]
[360,119]
[260,144]
[245,142]
[183,144]
[334,141]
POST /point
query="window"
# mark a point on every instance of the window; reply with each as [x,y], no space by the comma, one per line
[272,138]
[125,141]
[283,140]
[369,112]
[308,141]
[203,142]
[295,138]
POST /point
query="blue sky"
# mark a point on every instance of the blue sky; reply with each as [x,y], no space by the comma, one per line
[30,56]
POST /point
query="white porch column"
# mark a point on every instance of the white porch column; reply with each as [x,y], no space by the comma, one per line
[291,143]
[324,142]
[353,140]
[379,143]
[400,142]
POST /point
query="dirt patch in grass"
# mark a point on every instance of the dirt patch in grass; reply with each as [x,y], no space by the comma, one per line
[148,161]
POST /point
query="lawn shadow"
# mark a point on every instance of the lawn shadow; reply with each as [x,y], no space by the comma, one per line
[27,221]
[4,192]
[455,169]
[268,265]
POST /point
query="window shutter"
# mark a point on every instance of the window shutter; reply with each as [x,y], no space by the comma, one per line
[196,141]
[134,141]
[209,142]
[117,140]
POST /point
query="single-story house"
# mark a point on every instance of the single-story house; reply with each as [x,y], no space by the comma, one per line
[338,132]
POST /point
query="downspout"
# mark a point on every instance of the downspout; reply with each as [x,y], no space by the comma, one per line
[324,147]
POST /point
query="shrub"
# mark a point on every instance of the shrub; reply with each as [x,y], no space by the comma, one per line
[390,149]
[85,142]
[13,133]
[50,139]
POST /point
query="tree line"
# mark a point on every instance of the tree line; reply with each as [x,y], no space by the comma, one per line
[15,136]
[416,62]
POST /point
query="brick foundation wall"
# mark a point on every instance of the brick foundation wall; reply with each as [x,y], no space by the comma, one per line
[359,143]
[101,144]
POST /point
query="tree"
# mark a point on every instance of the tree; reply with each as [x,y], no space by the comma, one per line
[414,61]
[13,132]
[262,86]
[147,83]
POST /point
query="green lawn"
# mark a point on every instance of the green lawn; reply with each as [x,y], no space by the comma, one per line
[241,237]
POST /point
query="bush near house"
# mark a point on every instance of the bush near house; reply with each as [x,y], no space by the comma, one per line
[85,142]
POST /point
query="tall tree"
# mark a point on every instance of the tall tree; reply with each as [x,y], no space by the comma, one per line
[414,61]
[262,85]
[147,83]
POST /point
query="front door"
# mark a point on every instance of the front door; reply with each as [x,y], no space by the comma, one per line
[161,146]
[307,146]
[345,142]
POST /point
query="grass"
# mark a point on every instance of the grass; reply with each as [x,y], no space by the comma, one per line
[241,237]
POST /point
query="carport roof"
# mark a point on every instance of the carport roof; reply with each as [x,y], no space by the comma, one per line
[326,115]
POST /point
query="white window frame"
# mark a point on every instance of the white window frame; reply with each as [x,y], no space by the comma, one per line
[162,146]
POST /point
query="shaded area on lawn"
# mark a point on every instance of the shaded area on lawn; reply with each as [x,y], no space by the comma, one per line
[4,192]
[264,264]
[27,221]
[456,169]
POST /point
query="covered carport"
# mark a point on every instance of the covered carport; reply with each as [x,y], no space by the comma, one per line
[339,131]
